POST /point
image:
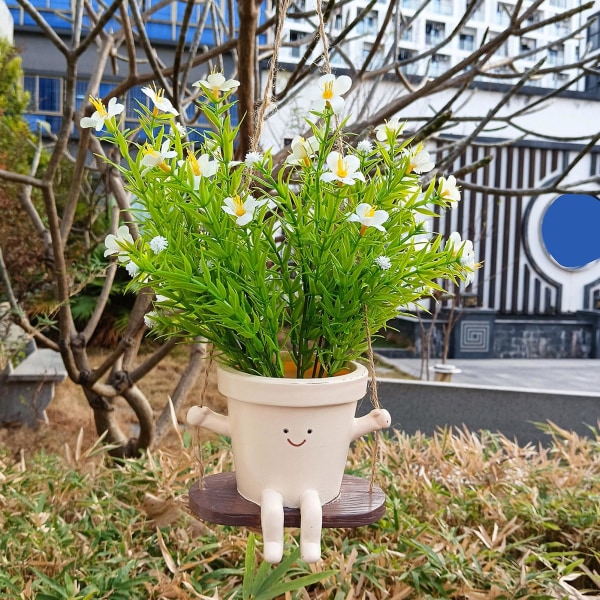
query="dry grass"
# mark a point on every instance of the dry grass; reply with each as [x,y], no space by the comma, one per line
[469,516]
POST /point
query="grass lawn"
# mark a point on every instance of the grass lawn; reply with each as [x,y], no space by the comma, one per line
[469,516]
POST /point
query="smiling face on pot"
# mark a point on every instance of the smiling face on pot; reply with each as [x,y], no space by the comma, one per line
[294,434]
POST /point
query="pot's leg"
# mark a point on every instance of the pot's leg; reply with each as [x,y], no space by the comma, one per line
[271,516]
[311,518]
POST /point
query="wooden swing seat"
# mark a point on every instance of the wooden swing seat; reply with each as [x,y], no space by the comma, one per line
[218,501]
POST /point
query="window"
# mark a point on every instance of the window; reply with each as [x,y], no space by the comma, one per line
[434,33]
[81,88]
[369,23]
[562,28]
[407,35]
[377,60]
[338,21]
[526,45]
[479,13]
[560,78]
[535,17]
[569,230]
[466,41]
[45,103]
[503,12]
[406,54]
[45,92]
[556,55]
[439,64]
[593,34]
[296,51]
[442,7]
[134,98]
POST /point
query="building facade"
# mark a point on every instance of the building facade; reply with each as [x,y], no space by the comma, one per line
[520,273]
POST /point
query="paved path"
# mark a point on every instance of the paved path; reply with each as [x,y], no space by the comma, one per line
[582,375]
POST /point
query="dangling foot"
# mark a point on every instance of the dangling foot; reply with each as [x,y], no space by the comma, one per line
[310,551]
[273,552]
[271,517]
[311,514]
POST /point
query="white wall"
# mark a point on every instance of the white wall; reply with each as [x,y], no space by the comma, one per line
[6,22]
[559,117]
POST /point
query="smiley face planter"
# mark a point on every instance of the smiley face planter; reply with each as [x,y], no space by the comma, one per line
[290,440]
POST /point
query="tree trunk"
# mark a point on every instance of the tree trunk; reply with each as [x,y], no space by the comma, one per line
[248,12]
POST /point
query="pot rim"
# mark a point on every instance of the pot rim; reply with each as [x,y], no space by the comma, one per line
[287,392]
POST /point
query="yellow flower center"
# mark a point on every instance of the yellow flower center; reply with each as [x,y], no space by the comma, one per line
[328,91]
[194,163]
[160,94]
[239,206]
[370,212]
[97,103]
[162,165]
[342,170]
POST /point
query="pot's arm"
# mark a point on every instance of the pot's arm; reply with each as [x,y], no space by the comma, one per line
[204,417]
[377,419]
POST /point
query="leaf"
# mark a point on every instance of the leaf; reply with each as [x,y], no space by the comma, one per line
[249,565]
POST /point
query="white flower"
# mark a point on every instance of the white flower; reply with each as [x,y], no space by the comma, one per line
[201,166]
[242,211]
[392,127]
[179,128]
[132,268]
[367,216]
[364,146]
[328,92]
[114,243]
[302,150]
[467,255]
[254,158]
[216,83]
[159,101]
[154,158]
[149,319]
[420,161]
[160,298]
[101,113]
[383,262]
[448,190]
[343,169]
[158,244]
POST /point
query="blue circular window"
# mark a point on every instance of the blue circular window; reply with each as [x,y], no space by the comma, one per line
[571,230]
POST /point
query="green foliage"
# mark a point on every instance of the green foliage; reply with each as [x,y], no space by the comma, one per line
[468,516]
[13,98]
[304,259]
[267,582]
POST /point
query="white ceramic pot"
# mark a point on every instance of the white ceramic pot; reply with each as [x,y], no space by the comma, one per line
[291,435]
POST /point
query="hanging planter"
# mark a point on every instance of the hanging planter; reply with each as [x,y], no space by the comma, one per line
[269,262]
[290,440]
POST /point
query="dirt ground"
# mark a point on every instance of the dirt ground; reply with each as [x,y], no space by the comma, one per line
[69,413]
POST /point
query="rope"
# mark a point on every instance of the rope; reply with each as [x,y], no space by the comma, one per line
[197,445]
[374,399]
[327,66]
[267,96]
[323,36]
